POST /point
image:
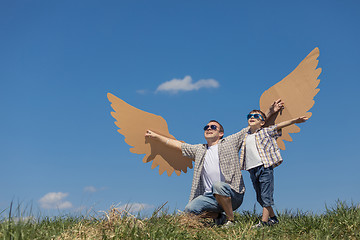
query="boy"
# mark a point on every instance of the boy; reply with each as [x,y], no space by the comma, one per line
[259,155]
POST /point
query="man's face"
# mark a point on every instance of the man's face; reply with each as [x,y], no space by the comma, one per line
[255,119]
[213,131]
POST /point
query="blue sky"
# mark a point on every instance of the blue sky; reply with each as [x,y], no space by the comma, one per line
[60,150]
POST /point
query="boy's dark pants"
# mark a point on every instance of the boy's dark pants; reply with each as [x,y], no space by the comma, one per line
[263,182]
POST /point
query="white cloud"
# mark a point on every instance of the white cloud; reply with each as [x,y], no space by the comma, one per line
[142,91]
[186,84]
[31,219]
[55,200]
[90,189]
[135,207]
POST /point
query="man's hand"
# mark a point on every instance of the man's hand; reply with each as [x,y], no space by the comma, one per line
[165,140]
[150,133]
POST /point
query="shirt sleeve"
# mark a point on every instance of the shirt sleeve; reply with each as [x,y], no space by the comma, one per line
[273,132]
[237,138]
[189,150]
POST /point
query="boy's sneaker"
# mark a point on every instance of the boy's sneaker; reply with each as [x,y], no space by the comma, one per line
[220,220]
[273,221]
[228,224]
[260,224]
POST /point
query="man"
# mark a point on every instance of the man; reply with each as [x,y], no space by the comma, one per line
[217,184]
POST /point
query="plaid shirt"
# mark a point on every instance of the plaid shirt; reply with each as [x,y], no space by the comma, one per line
[229,148]
[267,147]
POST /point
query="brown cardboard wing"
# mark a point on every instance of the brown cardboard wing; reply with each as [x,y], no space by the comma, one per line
[133,123]
[297,90]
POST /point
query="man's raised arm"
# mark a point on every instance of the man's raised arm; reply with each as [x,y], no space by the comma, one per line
[168,141]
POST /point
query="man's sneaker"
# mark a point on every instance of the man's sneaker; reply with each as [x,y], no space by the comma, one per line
[220,220]
[228,224]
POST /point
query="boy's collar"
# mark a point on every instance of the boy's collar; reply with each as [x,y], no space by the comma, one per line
[249,130]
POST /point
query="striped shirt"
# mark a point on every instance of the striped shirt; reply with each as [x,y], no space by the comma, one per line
[269,151]
[229,148]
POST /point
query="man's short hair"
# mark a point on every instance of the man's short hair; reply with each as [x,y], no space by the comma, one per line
[221,127]
[261,113]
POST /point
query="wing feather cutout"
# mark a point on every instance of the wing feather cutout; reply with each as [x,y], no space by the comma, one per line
[297,91]
[133,123]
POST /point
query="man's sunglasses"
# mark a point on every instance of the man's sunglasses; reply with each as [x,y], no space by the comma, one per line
[213,127]
[255,115]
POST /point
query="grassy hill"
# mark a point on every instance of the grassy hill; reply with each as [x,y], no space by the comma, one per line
[339,222]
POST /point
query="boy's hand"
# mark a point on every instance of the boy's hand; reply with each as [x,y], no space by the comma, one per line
[301,119]
[272,113]
[291,122]
[276,106]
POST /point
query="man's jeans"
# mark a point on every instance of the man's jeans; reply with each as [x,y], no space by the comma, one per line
[208,203]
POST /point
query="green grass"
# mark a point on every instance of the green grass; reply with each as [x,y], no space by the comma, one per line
[339,222]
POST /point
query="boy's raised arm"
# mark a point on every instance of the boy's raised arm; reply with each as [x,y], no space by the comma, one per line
[171,142]
[273,112]
[290,122]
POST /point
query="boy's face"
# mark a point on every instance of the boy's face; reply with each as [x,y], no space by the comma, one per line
[255,120]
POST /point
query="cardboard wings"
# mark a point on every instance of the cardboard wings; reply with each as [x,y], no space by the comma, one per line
[297,91]
[133,123]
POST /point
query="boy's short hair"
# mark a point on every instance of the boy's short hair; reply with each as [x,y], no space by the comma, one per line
[221,127]
[259,111]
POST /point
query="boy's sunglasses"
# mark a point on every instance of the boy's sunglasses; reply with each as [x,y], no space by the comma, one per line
[213,127]
[255,115]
